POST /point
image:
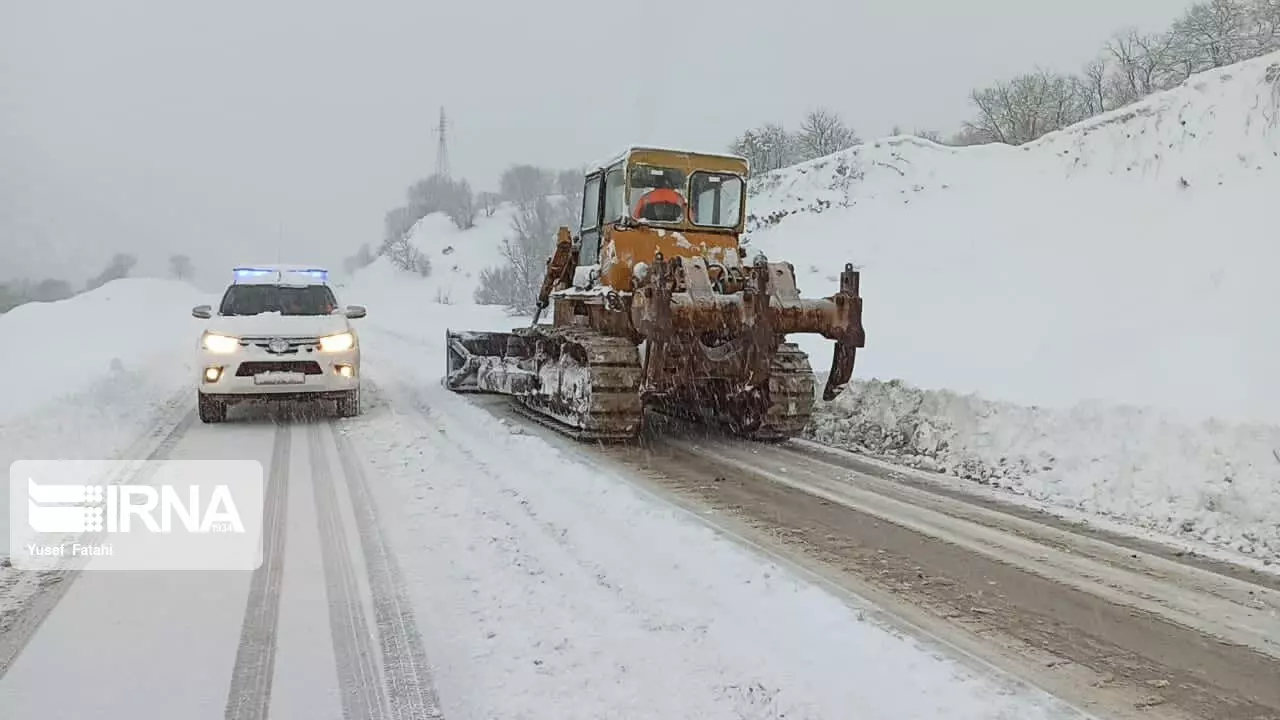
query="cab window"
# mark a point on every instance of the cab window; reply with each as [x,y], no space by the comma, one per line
[615,194]
[717,199]
[591,203]
[657,194]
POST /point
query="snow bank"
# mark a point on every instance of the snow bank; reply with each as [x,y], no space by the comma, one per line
[1077,284]
[1210,482]
[63,348]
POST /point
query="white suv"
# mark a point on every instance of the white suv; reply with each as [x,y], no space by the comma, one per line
[278,334]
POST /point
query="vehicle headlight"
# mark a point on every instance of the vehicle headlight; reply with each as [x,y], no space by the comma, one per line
[220,344]
[337,343]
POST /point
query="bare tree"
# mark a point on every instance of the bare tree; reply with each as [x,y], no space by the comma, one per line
[1026,108]
[748,146]
[526,183]
[769,147]
[498,286]
[1213,34]
[120,266]
[1093,81]
[363,258]
[1264,20]
[50,290]
[489,202]
[779,146]
[527,249]
[460,205]
[10,298]
[569,182]
[571,188]
[822,133]
[397,224]
[181,267]
[404,255]
[967,136]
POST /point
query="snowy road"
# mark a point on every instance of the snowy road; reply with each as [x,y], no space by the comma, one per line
[1125,627]
[436,554]
[238,644]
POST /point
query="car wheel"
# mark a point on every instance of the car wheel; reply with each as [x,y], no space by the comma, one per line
[349,404]
[212,410]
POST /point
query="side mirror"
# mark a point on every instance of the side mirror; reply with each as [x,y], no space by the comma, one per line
[204,312]
[356,311]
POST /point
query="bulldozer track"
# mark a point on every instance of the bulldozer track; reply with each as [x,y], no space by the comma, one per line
[791,396]
[607,405]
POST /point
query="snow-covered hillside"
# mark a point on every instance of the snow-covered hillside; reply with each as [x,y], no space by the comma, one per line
[1128,258]
[457,256]
[1120,274]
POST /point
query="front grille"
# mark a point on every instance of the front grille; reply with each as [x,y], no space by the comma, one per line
[255,367]
[295,344]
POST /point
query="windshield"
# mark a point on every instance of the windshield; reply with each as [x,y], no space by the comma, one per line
[258,299]
[717,199]
[657,193]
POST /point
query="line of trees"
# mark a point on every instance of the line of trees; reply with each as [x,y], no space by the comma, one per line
[1027,106]
[24,290]
[773,147]
[1131,66]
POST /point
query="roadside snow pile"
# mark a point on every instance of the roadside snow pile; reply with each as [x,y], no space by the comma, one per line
[1212,482]
[121,329]
[1126,261]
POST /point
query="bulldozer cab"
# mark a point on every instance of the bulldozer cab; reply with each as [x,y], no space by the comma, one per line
[663,190]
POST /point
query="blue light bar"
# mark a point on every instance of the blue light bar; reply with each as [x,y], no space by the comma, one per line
[258,272]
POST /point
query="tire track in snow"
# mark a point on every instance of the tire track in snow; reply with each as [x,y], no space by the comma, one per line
[363,693]
[408,675]
[14,639]
[249,696]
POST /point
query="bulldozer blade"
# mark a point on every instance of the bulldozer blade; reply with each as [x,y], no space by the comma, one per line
[479,362]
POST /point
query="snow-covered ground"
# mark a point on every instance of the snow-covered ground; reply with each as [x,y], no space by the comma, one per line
[85,377]
[96,376]
[521,547]
[544,587]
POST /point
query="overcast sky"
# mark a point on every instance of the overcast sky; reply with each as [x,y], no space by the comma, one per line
[214,128]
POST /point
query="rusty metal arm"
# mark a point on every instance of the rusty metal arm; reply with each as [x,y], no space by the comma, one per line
[560,268]
[850,334]
[838,317]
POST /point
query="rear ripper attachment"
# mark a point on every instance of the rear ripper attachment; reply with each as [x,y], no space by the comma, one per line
[654,310]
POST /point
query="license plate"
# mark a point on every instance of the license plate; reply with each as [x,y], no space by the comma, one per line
[279,378]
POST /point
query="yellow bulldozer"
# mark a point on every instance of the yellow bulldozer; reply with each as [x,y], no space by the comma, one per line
[655,308]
